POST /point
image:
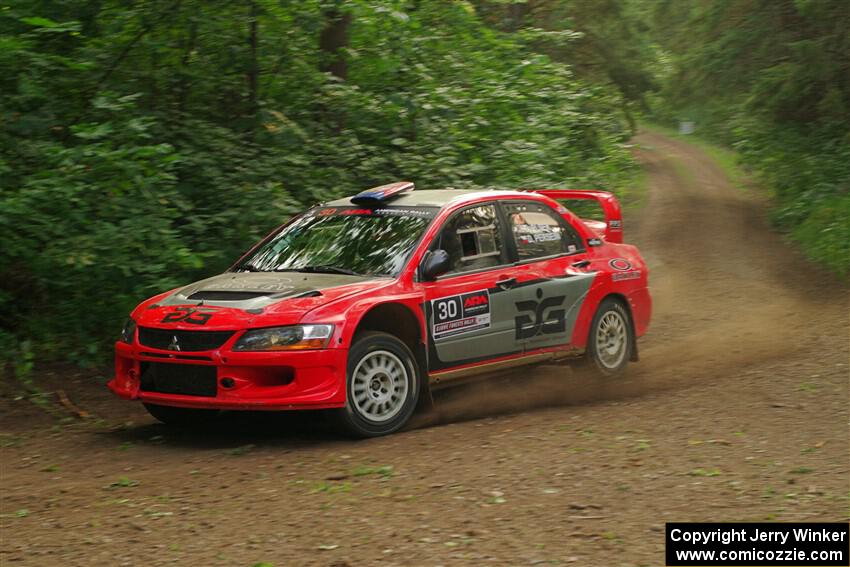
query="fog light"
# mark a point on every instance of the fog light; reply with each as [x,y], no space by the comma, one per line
[227,383]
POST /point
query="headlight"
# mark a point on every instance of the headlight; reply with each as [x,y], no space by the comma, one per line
[296,337]
[128,333]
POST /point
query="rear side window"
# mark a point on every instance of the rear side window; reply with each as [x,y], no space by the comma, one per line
[538,231]
[472,239]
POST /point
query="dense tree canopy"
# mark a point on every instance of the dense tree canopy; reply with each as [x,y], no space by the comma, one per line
[145,144]
[604,41]
[772,79]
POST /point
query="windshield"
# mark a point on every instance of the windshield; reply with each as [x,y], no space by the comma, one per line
[346,240]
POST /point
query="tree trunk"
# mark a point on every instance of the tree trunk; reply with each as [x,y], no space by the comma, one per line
[253,66]
[516,16]
[185,81]
[332,42]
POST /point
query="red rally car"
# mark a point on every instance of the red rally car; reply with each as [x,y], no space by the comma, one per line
[364,305]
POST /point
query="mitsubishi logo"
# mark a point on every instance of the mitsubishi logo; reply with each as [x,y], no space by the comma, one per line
[174,344]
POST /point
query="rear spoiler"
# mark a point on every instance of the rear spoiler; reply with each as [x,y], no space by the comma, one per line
[613,230]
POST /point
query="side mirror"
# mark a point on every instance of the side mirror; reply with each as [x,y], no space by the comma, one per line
[435,263]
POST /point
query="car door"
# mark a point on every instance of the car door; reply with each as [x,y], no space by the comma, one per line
[554,257]
[471,308]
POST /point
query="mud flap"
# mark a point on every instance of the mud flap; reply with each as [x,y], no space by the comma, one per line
[634,356]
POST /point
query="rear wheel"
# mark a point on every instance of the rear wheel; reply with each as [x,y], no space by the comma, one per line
[382,384]
[170,415]
[610,343]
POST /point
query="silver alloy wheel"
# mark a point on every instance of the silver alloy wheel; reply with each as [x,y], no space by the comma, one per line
[379,386]
[611,339]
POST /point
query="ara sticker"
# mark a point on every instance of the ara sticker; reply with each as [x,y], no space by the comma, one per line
[460,314]
[620,264]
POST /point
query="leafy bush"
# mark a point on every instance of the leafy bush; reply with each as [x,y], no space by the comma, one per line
[770,80]
[809,173]
[147,145]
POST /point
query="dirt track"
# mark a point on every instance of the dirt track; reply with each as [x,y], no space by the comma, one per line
[738,410]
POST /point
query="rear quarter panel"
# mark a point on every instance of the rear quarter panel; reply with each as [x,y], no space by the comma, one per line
[621,271]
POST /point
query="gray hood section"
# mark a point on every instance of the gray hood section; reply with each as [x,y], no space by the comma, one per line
[255,290]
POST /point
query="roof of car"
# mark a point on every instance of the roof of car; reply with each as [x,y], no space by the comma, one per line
[434,197]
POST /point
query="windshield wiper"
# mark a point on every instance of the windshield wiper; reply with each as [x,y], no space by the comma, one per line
[321,270]
[248,268]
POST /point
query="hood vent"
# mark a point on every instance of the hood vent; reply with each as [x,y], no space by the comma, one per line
[313,293]
[226,295]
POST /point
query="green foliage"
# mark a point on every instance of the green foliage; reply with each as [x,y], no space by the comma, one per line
[605,42]
[385,471]
[810,176]
[770,79]
[123,482]
[146,145]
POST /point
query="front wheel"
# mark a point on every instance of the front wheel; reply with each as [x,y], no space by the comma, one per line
[610,342]
[382,382]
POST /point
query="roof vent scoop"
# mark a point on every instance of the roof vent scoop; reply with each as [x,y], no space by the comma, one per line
[377,195]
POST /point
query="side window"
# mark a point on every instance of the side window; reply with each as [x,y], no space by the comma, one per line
[538,231]
[472,239]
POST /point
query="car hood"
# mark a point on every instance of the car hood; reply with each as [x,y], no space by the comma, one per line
[241,298]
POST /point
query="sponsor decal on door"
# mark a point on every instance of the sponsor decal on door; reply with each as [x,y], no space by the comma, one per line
[458,314]
[541,318]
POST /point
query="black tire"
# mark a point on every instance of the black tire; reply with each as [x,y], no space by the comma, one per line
[170,415]
[613,324]
[361,415]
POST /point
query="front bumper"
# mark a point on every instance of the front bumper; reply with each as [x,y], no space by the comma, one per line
[308,379]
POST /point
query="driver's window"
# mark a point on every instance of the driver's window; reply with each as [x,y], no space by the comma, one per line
[472,239]
[538,232]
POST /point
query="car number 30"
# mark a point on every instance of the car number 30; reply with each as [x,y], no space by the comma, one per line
[447,309]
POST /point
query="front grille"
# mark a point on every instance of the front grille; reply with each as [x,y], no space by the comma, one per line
[183,341]
[186,379]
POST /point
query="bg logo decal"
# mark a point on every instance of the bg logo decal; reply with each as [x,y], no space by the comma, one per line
[189,315]
[540,322]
